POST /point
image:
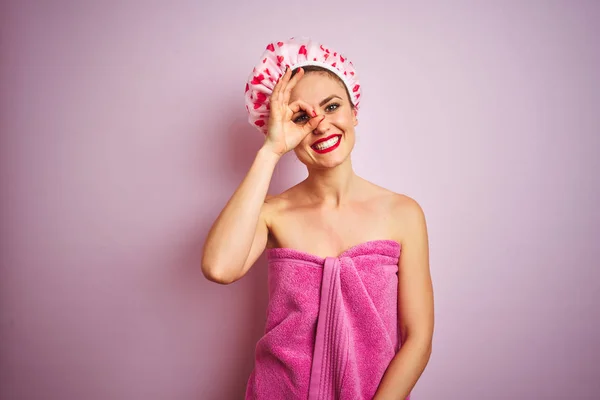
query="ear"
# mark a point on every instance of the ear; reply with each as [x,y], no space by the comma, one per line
[354,118]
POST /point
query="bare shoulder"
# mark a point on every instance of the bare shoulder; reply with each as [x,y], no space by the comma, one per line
[396,203]
[405,214]
[276,203]
[406,207]
[409,217]
[280,200]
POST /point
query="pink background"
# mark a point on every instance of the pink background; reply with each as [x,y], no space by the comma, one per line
[123,134]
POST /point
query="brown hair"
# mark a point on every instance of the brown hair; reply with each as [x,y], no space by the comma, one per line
[331,74]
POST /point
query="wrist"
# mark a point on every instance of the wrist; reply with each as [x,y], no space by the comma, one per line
[268,155]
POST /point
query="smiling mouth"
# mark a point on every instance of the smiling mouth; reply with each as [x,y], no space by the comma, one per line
[328,144]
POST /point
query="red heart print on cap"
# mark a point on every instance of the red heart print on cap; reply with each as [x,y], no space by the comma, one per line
[258,79]
[355,88]
[259,122]
[271,47]
[261,97]
[302,50]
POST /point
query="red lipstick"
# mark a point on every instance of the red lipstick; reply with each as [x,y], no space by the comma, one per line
[327,150]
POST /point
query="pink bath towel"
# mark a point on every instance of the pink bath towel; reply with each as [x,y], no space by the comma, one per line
[332,324]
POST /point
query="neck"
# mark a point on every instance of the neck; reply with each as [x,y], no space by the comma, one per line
[331,186]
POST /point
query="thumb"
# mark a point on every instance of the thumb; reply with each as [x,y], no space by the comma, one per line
[313,123]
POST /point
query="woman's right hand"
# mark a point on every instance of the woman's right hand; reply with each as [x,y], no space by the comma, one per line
[283,134]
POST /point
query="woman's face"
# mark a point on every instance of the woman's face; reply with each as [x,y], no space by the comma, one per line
[332,141]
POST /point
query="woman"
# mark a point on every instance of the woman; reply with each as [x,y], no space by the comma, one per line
[350,312]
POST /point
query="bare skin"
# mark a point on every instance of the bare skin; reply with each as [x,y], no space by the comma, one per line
[328,229]
[332,210]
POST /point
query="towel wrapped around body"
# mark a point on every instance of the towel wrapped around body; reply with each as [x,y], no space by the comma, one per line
[332,324]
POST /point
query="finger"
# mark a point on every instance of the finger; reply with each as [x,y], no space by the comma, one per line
[277,87]
[287,91]
[275,99]
[284,81]
[313,123]
[302,105]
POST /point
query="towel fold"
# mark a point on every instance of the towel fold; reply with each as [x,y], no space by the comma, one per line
[332,324]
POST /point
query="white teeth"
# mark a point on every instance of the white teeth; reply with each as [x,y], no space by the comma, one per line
[328,143]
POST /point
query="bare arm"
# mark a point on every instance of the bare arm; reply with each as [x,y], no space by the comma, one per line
[239,234]
[415,308]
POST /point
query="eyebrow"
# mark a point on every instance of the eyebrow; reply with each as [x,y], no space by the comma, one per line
[329,98]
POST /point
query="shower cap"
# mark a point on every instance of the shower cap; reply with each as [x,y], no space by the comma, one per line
[294,53]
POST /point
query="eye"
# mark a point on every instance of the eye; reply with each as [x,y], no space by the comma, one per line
[301,119]
[332,107]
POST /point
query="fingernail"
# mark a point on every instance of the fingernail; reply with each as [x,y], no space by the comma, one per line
[314,113]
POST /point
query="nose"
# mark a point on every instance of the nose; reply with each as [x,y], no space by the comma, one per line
[322,128]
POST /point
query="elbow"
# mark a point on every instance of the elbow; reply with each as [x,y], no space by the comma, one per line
[422,344]
[428,350]
[425,345]
[216,275]
[219,268]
